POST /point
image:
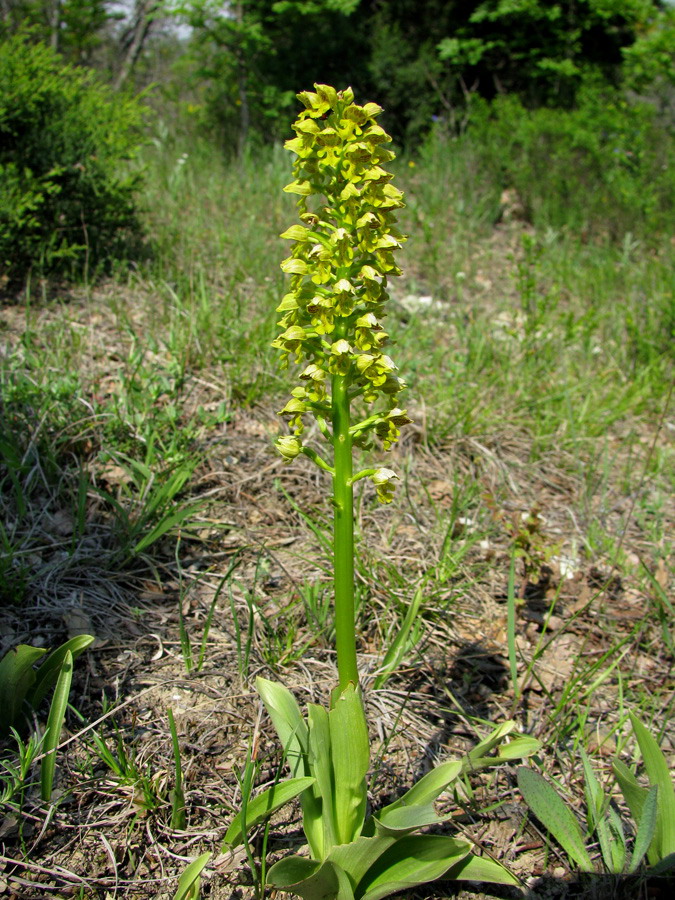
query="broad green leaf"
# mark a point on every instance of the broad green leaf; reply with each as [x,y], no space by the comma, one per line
[48,672]
[358,856]
[595,796]
[350,749]
[659,774]
[287,719]
[57,712]
[552,811]
[664,867]
[646,828]
[310,879]
[478,868]
[16,678]
[190,878]
[413,860]
[519,748]
[633,793]
[612,841]
[428,787]
[406,819]
[603,820]
[319,818]
[487,745]
[262,806]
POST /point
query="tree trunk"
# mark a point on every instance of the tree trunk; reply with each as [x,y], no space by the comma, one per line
[133,41]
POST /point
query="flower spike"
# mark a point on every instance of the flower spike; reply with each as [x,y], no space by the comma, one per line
[340,259]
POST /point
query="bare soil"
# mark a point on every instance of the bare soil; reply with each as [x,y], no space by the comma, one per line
[108,834]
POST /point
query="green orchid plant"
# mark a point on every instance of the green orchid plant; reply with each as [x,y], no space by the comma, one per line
[341,258]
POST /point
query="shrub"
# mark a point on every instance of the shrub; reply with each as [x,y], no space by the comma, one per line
[66,192]
[600,168]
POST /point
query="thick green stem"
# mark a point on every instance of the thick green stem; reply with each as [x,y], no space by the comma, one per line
[343,535]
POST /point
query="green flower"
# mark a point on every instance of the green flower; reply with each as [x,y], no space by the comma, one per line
[341,257]
[383,481]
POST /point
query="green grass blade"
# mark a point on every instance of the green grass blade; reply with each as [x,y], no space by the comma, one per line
[177,795]
[511,625]
[57,713]
[401,644]
[165,525]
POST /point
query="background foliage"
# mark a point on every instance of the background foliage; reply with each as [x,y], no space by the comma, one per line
[569,99]
[66,202]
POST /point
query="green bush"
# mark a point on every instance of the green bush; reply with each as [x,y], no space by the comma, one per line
[66,191]
[601,168]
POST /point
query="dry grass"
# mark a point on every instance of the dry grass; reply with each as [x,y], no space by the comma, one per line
[584,606]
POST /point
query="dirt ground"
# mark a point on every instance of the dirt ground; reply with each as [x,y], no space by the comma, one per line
[108,834]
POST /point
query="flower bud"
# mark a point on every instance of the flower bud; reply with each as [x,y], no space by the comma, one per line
[289,446]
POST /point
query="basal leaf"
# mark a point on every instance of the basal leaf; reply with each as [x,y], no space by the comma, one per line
[658,774]
[405,819]
[310,879]
[429,787]
[487,745]
[413,860]
[612,841]
[358,856]
[633,793]
[519,748]
[603,820]
[319,818]
[350,753]
[287,719]
[16,678]
[646,828]
[478,868]
[552,811]
[57,712]
[46,675]
[261,807]
[190,877]
[665,866]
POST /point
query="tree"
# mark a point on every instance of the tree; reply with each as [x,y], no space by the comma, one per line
[74,28]
[254,55]
[67,205]
[543,50]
